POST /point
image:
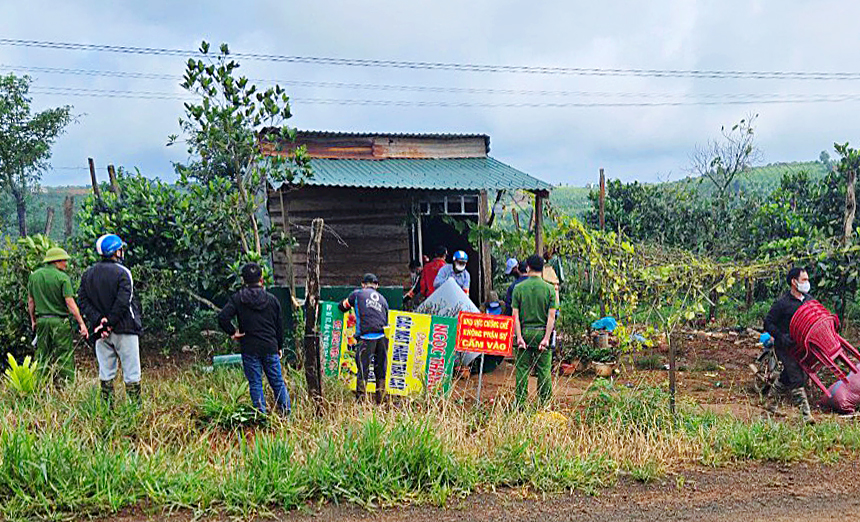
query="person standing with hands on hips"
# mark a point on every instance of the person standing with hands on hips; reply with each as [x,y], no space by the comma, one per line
[260,335]
[534,304]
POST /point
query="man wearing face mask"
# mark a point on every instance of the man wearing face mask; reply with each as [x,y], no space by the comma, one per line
[456,270]
[792,378]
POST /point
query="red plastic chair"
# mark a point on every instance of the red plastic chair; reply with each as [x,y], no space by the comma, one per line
[817,345]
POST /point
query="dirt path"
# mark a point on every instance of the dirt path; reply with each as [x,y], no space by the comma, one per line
[767,493]
[771,493]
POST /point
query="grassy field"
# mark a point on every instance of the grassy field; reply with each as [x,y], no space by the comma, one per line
[191,447]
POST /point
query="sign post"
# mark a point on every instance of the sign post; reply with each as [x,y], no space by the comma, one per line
[485,334]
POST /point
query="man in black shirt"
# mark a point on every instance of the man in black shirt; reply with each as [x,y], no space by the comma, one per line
[371,319]
[260,335]
[777,323]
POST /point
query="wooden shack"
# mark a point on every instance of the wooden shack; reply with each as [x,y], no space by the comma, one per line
[390,198]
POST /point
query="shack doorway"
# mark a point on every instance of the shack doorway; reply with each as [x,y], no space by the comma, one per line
[436,226]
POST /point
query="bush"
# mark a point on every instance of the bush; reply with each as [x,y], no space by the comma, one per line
[17,260]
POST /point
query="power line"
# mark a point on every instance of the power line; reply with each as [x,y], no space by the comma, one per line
[779,99]
[449,66]
[410,88]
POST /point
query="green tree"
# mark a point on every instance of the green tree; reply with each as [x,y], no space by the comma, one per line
[225,134]
[25,141]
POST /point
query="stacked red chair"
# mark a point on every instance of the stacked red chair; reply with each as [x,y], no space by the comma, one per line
[817,345]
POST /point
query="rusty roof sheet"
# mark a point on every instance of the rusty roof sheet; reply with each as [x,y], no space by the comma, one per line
[426,174]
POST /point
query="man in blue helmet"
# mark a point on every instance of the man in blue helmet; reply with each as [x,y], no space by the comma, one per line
[456,270]
[106,298]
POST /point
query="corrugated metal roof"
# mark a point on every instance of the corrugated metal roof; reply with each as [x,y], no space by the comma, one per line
[391,134]
[426,174]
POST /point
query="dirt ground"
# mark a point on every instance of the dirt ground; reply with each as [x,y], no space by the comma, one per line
[769,493]
[713,371]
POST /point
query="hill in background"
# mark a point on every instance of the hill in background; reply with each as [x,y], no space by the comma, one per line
[565,199]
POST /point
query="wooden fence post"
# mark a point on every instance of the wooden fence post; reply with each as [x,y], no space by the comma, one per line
[313,367]
[49,221]
[484,247]
[114,185]
[602,218]
[68,216]
[94,179]
[538,219]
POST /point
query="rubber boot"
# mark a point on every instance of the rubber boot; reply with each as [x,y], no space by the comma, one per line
[774,395]
[132,391]
[379,396]
[360,390]
[799,397]
[107,392]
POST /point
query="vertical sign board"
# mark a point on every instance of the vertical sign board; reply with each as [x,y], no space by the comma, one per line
[331,331]
[408,337]
[420,350]
[440,356]
[483,333]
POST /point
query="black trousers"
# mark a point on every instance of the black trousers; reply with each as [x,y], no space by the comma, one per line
[792,375]
[378,348]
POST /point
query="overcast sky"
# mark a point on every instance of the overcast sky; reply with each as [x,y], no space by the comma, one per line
[560,145]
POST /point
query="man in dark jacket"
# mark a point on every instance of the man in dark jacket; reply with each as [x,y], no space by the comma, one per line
[371,319]
[777,323]
[106,298]
[520,274]
[260,335]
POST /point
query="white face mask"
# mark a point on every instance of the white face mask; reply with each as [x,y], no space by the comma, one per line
[803,287]
[459,267]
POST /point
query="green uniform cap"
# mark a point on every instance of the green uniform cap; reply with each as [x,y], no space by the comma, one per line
[56,254]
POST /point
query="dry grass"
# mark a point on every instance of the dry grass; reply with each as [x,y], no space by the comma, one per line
[64,453]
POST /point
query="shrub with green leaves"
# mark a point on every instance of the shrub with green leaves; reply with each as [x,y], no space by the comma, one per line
[17,259]
[21,377]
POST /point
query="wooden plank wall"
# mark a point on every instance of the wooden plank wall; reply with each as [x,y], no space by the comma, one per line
[371,222]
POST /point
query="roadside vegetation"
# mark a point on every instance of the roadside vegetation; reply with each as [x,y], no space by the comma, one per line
[190,447]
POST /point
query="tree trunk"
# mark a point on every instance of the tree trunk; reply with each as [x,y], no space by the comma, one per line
[21,207]
[313,368]
[49,221]
[850,207]
[68,216]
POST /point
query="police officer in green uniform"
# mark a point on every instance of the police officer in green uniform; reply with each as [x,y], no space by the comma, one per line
[534,303]
[50,301]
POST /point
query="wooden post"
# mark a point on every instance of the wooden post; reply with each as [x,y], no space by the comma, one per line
[484,247]
[602,201]
[602,219]
[538,215]
[49,221]
[114,185]
[313,366]
[499,195]
[68,216]
[94,179]
[671,372]
[288,250]
[850,207]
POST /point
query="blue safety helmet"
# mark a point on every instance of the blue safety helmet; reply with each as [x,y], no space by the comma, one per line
[460,256]
[108,245]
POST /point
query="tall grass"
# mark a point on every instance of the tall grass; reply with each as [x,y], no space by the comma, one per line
[63,453]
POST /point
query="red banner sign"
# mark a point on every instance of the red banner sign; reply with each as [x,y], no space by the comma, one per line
[483,333]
